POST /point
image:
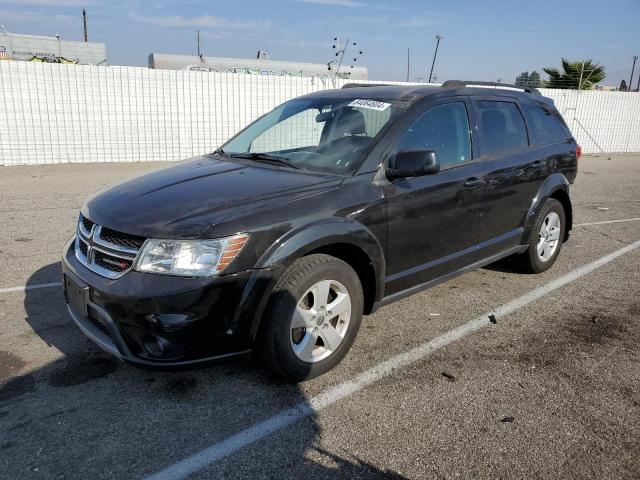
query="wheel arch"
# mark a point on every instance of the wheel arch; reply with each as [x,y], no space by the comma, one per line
[555,186]
[348,240]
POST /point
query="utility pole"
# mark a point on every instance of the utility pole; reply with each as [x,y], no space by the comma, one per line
[635,57]
[438,38]
[198,43]
[408,63]
[638,86]
[84,22]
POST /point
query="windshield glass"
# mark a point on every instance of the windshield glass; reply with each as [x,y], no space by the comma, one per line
[319,134]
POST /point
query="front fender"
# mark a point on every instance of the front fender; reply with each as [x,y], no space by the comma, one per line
[297,243]
[554,184]
[308,238]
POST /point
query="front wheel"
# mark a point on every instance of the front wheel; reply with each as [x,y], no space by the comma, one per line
[546,238]
[313,317]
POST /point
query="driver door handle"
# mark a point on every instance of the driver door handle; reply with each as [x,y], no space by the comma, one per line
[474,182]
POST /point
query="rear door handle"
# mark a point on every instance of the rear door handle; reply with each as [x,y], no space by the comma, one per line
[473,182]
[538,164]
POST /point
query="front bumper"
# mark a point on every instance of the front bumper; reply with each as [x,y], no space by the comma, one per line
[165,321]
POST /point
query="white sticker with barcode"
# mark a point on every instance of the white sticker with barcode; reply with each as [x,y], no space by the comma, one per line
[370,104]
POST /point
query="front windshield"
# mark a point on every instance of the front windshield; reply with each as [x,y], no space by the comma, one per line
[319,134]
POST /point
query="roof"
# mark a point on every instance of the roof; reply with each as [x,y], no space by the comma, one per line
[408,93]
[413,93]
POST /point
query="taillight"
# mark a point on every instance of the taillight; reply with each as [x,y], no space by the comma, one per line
[578,151]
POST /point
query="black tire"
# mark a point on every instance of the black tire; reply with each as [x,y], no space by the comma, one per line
[274,341]
[530,261]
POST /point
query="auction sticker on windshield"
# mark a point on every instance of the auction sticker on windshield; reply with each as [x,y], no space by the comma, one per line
[370,104]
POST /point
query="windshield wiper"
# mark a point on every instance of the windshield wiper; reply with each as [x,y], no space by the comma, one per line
[221,152]
[265,157]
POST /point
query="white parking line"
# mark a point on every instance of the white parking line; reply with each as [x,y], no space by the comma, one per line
[246,437]
[604,222]
[24,288]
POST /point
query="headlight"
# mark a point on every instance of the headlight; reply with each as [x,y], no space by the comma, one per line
[189,258]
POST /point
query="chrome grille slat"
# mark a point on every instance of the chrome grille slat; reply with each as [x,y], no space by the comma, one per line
[100,240]
[108,259]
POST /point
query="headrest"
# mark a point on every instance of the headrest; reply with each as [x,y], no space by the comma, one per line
[351,122]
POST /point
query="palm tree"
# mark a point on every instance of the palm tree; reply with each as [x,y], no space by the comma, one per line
[575,75]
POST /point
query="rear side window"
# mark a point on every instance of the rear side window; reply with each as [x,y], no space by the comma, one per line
[443,129]
[544,124]
[503,127]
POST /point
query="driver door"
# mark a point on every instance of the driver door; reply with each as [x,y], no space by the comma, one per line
[434,221]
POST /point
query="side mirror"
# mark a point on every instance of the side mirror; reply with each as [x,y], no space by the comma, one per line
[413,163]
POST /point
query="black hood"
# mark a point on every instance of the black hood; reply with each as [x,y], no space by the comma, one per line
[189,198]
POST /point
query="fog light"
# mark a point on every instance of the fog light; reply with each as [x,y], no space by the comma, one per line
[155,346]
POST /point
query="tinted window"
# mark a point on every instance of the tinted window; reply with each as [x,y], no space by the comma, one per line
[544,124]
[443,129]
[502,125]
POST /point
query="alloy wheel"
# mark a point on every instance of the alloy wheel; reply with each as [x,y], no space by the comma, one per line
[549,237]
[320,321]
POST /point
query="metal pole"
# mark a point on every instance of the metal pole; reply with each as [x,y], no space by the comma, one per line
[581,73]
[344,50]
[438,38]
[407,64]
[198,42]
[638,86]
[84,22]
[635,57]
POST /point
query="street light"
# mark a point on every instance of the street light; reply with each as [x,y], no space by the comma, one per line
[635,57]
[438,38]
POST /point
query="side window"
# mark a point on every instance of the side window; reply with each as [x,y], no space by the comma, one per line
[443,129]
[502,126]
[544,124]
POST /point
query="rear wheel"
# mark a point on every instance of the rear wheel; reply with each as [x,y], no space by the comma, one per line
[313,317]
[546,238]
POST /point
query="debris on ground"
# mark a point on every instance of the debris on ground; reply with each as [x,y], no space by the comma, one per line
[492,319]
[449,377]
[507,419]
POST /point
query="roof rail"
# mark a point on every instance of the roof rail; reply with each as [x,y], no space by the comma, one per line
[355,85]
[471,83]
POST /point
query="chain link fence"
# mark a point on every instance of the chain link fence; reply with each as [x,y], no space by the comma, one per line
[51,113]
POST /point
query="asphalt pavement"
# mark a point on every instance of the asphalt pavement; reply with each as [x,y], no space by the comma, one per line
[550,390]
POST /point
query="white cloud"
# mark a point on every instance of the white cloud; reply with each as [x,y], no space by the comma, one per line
[336,3]
[419,22]
[204,21]
[8,16]
[51,3]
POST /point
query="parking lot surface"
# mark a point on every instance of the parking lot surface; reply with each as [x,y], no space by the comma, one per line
[550,390]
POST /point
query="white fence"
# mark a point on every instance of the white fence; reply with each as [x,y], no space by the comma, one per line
[51,113]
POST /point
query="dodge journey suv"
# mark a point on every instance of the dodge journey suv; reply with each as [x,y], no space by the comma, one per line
[321,211]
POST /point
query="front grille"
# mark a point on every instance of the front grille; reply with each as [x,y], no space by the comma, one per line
[121,239]
[86,223]
[105,251]
[111,262]
[84,249]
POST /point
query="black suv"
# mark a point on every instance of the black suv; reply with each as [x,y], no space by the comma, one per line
[323,210]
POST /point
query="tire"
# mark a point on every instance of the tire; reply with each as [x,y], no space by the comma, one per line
[294,352]
[551,213]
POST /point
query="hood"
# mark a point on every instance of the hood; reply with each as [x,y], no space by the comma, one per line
[188,198]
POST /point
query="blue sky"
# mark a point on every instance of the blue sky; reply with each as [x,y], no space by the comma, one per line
[483,40]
